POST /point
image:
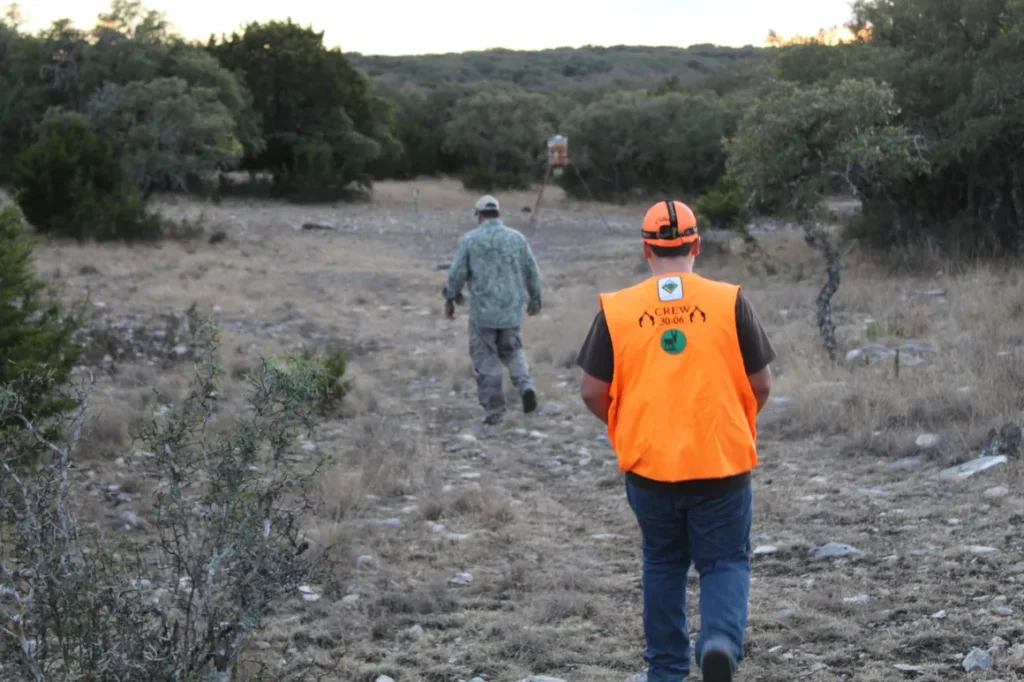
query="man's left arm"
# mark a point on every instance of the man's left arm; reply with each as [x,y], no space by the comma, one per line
[531,276]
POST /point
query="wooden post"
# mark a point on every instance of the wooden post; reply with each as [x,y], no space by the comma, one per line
[536,206]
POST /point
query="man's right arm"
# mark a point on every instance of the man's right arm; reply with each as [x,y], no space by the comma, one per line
[757,350]
[458,273]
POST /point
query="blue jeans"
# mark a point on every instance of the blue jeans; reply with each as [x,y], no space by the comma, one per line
[714,534]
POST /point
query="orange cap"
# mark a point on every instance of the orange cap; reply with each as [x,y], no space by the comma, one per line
[670,223]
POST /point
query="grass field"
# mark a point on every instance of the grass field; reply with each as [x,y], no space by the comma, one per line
[535,511]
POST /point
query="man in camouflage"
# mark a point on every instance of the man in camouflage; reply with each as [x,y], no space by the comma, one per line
[497,263]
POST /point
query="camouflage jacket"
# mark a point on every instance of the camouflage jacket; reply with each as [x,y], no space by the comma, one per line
[497,263]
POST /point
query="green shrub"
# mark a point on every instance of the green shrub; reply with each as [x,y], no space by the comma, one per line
[69,184]
[37,348]
[228,545]
[723,206]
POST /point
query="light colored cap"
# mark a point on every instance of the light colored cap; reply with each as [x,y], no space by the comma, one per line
[486,203]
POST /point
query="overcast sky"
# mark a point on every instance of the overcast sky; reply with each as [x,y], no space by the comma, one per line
[420,26]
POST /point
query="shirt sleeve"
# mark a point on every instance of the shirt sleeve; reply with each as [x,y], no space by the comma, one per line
[596,357]
[755,346]
[458,273]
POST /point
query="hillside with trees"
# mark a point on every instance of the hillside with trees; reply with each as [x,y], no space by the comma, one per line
[742,130]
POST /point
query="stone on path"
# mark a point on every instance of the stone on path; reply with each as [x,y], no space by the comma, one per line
[461,579]
[927,441]
[763,550]
[541,678]
[904,667]
[834,550]
[964,471]
[977,660]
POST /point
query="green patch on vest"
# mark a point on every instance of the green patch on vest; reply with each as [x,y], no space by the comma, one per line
[673,341]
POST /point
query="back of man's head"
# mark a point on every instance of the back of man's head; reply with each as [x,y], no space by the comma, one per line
[670,231]
[487,207]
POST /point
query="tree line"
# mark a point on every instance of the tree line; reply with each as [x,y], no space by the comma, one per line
[918,115]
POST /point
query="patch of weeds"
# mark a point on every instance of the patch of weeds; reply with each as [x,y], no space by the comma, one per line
[887,328]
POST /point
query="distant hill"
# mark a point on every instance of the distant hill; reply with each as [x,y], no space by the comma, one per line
[564,66]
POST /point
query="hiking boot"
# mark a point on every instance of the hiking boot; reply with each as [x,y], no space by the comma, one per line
[717,666]
[493,419]
[529,401]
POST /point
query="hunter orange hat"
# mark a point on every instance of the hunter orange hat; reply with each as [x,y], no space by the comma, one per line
[670,223]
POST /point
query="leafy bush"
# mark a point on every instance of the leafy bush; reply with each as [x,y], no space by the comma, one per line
[37,349]
[69,184]
[226,542]
[723,205]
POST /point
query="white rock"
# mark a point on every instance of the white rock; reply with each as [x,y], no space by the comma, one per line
[384,678]
[977,660]
[541,678]
[939,615]
[763,550]
[857,599]
[350,599]
[982,549]
[461,579]
[997,491]
[311,597]
[469,476]
[927,441]
[468,438]
[968,469]
[904,667]
[834,550]
[415,633]
[997,644]
[364,560]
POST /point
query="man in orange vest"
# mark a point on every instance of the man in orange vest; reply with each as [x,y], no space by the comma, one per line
[678,368]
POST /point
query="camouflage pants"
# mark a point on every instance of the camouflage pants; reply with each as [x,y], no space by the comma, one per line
[489,349]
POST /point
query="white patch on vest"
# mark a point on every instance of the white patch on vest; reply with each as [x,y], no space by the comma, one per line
[670,288]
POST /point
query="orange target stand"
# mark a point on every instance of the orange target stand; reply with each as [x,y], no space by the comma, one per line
[558,159]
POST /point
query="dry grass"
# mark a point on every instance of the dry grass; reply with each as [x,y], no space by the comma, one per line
[535,512]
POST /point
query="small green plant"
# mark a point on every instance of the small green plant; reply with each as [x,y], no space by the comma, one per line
[323,374]
[887,328]
[1017,309]
[69,184]
[37,345]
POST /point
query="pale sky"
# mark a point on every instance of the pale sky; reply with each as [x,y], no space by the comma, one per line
[422,26]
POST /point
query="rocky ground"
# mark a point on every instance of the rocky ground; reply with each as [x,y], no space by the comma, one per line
[888,501]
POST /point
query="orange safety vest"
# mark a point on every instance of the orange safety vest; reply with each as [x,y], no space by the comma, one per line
[681,403]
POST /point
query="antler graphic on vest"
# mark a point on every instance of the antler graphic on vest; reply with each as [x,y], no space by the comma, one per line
[696,309]
[647,316]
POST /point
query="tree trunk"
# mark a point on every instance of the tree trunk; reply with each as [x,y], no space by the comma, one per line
[817,236]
